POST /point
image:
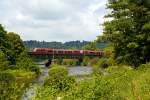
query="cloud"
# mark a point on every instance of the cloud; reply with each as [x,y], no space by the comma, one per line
[53,20]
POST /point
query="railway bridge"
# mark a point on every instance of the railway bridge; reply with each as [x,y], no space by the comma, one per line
[51,54]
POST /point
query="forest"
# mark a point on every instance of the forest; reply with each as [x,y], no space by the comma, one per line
[67,45]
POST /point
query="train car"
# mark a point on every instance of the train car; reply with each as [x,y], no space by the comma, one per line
[58,51]
[39,50]
[76,52]
[91,52]
[49,50]
[85,52]
[68,52]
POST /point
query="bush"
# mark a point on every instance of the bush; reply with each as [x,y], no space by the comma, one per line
[70,62]
[7,83]
[58,71]
[46,93]
[116,86]
[59,79]
[25,63]
[85,61]
[106,62]
[28,65]
[93,61]
[103,63]
[122,83]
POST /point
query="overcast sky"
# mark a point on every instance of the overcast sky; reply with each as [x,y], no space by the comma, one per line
[53,20]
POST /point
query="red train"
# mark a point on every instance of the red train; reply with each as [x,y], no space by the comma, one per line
[69,52]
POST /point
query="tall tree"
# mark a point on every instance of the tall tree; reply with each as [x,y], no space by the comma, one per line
[3,41]
[129,30]
[16,46]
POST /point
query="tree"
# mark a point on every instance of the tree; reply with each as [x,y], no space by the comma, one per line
[3,41]
[90,46]
[16,46]
[3,61]
[129,30]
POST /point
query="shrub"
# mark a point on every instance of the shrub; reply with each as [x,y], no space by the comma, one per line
[105,62]
[93,61]
[45,93]
[7,83]
[122,83]
[85,61]
[25,63]
[28,65]
[70,62]
[58,71]
[59,79]
[116,86]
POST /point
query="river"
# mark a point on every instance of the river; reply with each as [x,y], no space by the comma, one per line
[75,70]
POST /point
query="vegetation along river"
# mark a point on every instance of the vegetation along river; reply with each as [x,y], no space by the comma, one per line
[73,71]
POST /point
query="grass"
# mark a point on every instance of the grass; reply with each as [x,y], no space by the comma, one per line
[21,73]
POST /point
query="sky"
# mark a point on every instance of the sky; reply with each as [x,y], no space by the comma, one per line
[54,20]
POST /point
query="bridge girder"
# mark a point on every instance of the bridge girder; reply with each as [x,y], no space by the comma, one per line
[58,56]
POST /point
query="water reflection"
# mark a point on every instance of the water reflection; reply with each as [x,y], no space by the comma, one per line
[80,70]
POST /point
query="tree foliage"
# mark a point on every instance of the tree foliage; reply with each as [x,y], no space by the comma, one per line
[90,46]
[3,61]
[26,63]
[16,46]
[3,43]
[7,83]
[129,30]
[59,79]
[67,45]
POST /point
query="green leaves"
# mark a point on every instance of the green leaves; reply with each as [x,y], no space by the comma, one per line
[26,63]
[129,30]
[3,61]
[16,46]
[146,26]
[7,83]
[132,45]
[59,79]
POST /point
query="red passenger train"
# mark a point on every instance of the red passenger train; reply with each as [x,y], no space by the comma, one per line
[68,52]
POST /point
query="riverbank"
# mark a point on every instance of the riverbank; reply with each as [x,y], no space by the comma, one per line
[16,81]
[122,82]
[78,72]
[31,90]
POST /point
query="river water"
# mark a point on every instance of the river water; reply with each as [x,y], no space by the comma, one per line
[76,70]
